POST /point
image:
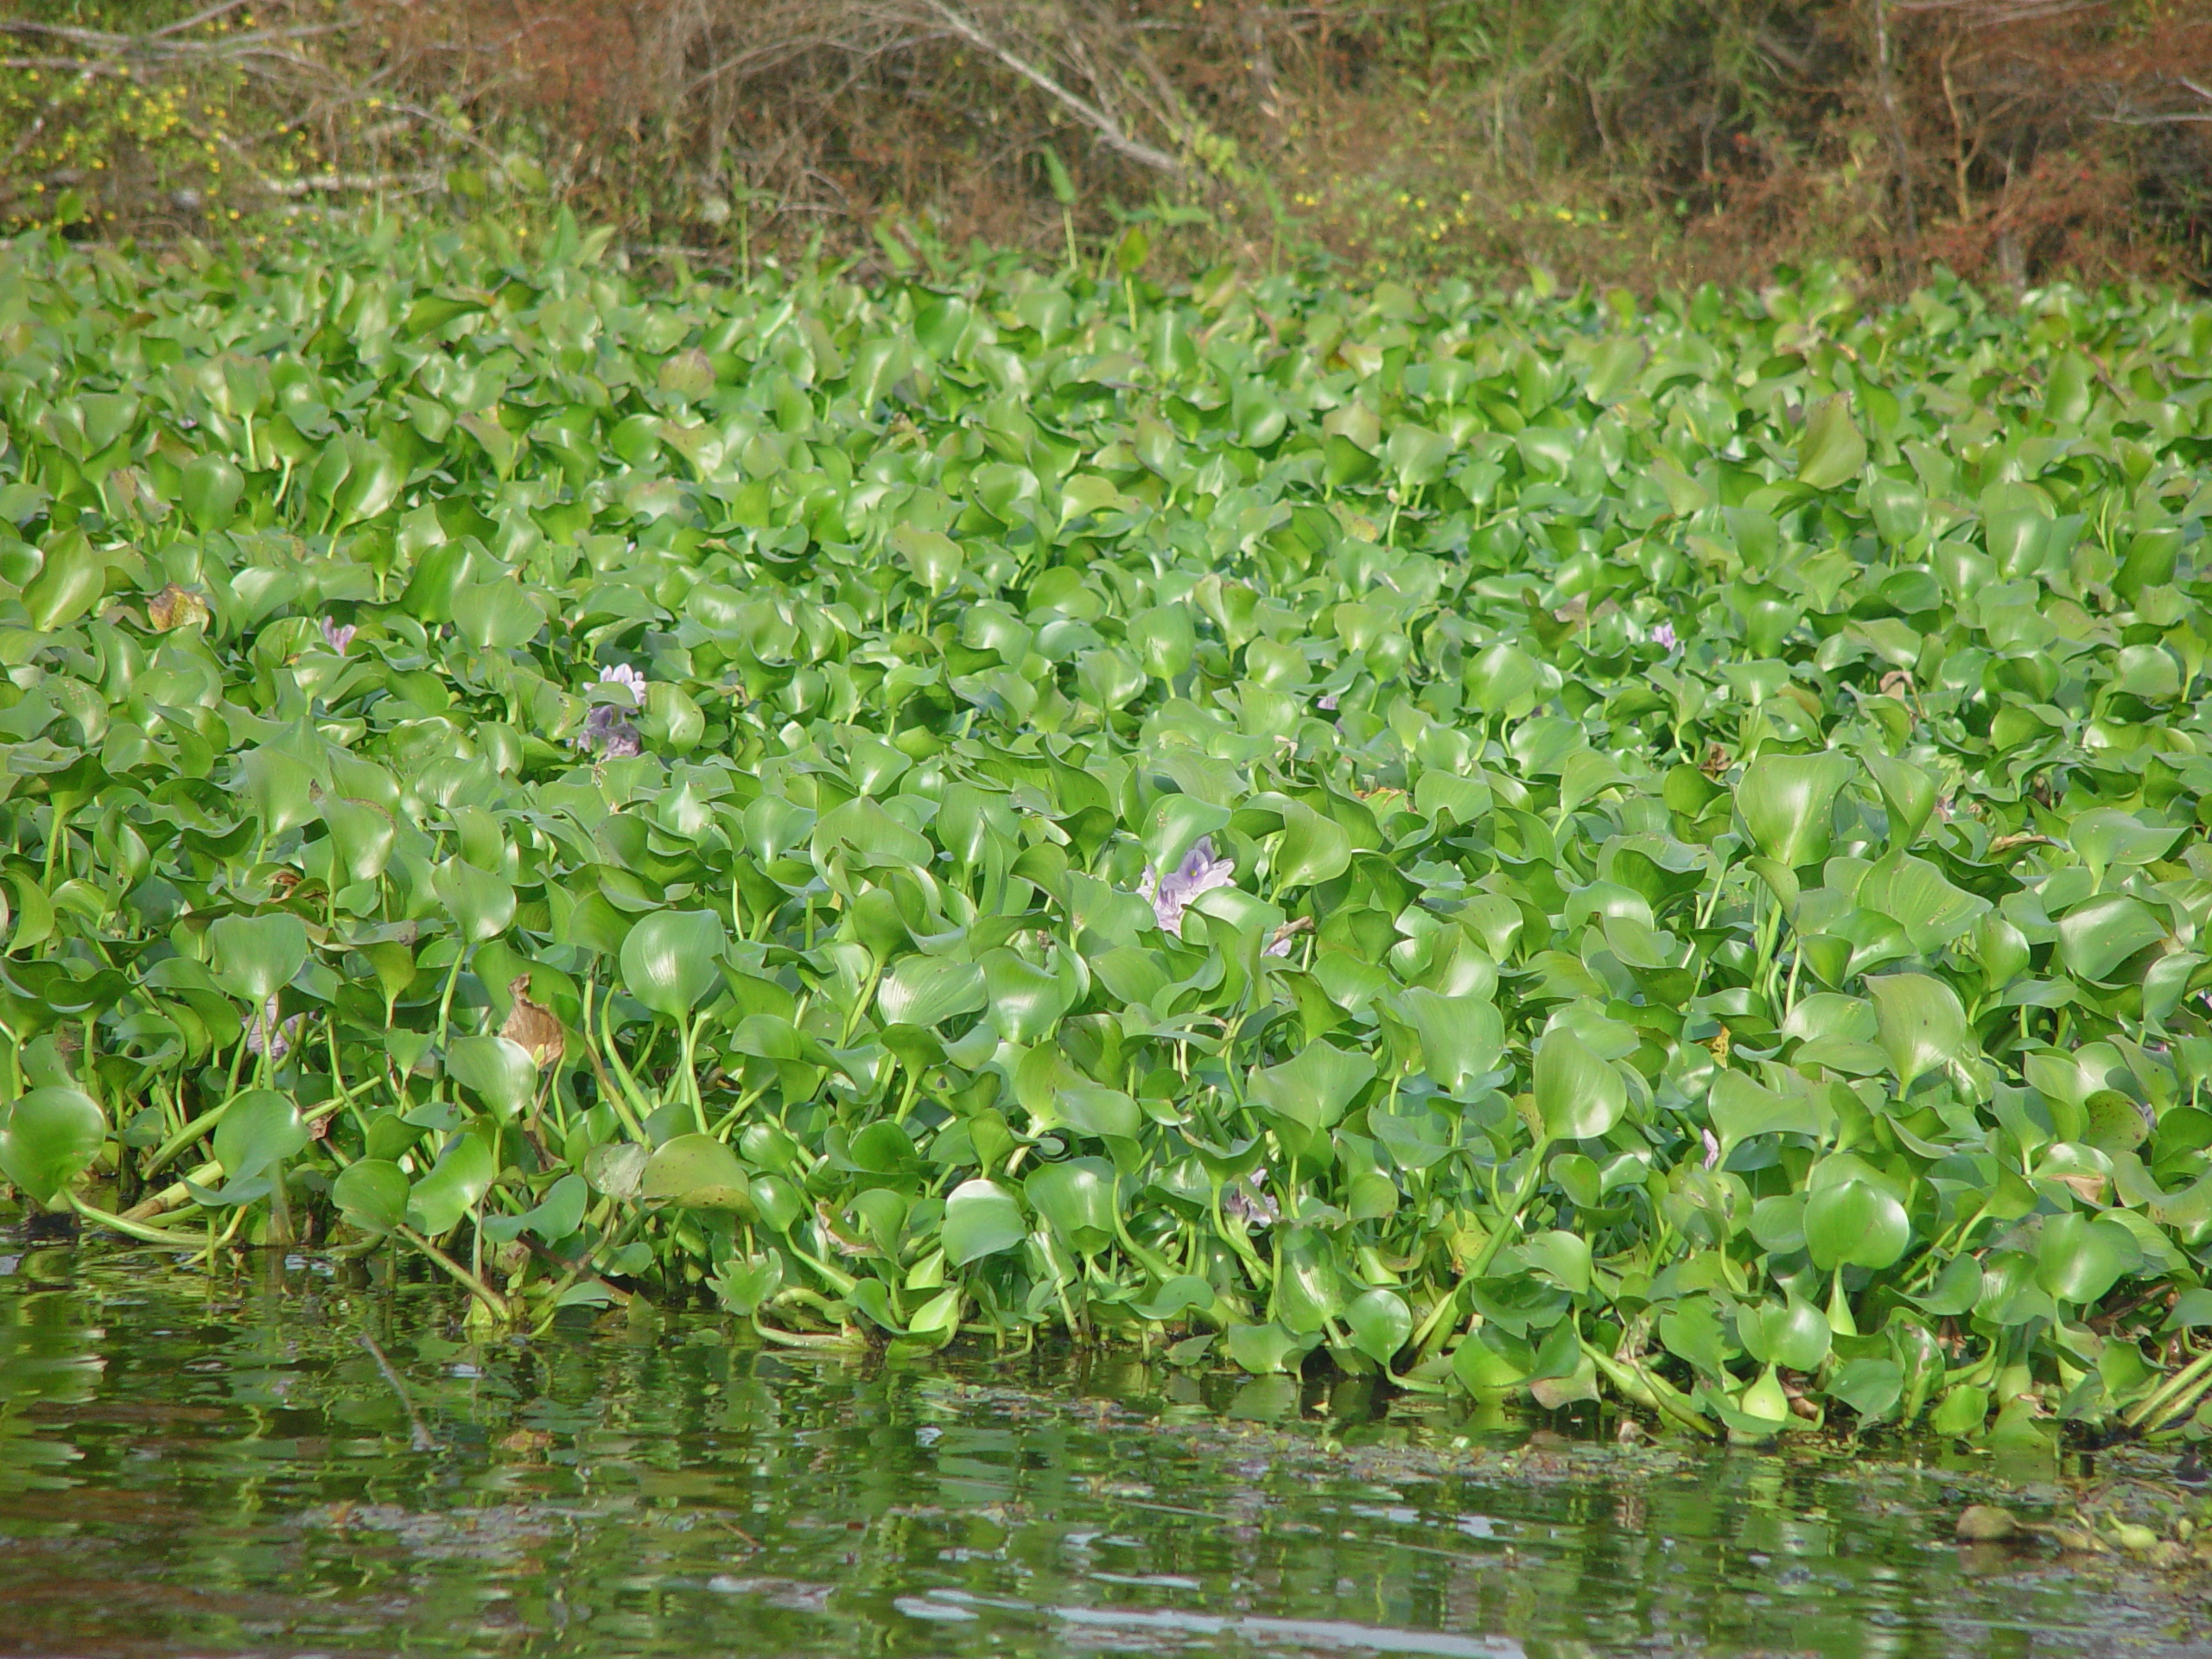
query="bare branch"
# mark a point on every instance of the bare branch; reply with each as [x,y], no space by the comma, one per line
[321,183]
[1097,120]
[212,12]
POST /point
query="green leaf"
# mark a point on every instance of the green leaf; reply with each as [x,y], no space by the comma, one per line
[1961,1412]
[1262,1350]
[1176,824]
[362,835]
[500,1072]
[1461,1037]
[461,1177]
[980,1219]
[259,1129]
[1614,368]
[49,1138]
[1164,640]
[2097,936]
[1380,1323]
[1787,801]
[1309,1288]
[1869,1385]
[1313,849]
[932,556]
[209,491]
[2079,1258]
[696,1172]
[1313,1090]
[371,1193]
[1741,1109]
[482,903]
[1908,795]
[866,836]
[68,584]
[1560,1257]
[926,991]
[371,485]
[1500,676]
[495,615]
[256,957]
[1922,900]
[1025,1001]
[1579,1095]
[1854,1223]
[1076,1199]
[279,787]
[1831,452]
[1919,1022]
[743,1287]
[669,960]
[1089,1109]
[1794,1334]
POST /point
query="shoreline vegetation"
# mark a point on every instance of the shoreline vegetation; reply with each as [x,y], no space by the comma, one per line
[1528,843]
[1639,143]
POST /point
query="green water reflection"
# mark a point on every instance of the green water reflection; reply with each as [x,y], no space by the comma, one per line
[191,1466]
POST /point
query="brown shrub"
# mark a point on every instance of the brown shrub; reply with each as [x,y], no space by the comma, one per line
[1636,140]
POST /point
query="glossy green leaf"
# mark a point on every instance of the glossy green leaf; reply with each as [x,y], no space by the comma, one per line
[259,1129]
[1793,1333]
[1461,1037]
[1314,1089]
[1920,1022]
[1076,1199]
[1786,802]
[1579,1095]
[696,1172]
[371,1193]
[669,960]
[49,1138]
[256,957]
[362,836]
[69,582]
[498,1072]
[2080,1258]
[481,903]
[1380,1322]
[1313,849]
[209,491]
[928,990]
[2096,937]
[1854,1223]
[463,1175]
[980,1219]
[1831,452]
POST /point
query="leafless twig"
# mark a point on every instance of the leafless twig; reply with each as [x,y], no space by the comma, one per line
[1109,132]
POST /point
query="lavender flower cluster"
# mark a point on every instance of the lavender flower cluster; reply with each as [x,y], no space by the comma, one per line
[607,729]
[1199,871]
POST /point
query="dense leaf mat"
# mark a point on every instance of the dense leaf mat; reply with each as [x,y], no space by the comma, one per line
[1532,844]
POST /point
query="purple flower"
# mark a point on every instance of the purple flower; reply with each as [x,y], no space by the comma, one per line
[337,637]
[1712,1147]
[1255,1208]
[1199,871]
[608,730]
[1663,636]
[629,679]
[268,1033]
[1328,703]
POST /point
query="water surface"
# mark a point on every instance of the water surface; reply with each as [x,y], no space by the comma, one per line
[194,1464]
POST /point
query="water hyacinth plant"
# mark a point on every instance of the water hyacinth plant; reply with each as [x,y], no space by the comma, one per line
[1542,847]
